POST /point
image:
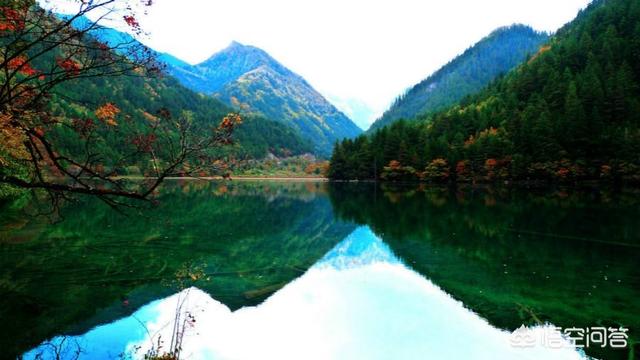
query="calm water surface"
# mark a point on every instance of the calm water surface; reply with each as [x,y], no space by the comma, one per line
[316,270]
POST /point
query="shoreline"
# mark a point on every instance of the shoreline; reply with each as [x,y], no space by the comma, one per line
[513,183]
[232,178]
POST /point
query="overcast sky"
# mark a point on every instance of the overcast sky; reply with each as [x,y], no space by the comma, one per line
[360,54]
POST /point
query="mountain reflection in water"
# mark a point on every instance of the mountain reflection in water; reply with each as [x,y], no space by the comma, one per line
[358,302]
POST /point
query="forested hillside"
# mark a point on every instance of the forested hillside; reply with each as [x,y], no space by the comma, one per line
[249,79]
[467,74]
[141,98]
[570,113]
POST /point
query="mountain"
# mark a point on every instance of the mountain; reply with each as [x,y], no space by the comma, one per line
[120,40]
[569,113]
[227,66]
[248,78]
[467,74]
[140,98]
[281,227]
[257,137]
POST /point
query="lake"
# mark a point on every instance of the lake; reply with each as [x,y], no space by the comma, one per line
[316,270]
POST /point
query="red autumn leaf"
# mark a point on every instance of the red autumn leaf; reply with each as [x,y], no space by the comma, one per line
[490,163]
[11,20]
[22,65]
[131,21]
[71,66]
[144,143]
[83,127]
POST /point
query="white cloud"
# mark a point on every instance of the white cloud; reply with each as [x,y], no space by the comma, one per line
[364,50]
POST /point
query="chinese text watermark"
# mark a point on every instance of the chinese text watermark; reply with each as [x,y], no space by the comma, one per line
[557,337]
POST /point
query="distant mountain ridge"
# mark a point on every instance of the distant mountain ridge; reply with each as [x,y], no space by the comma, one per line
[141,97]
[248,78]
[568,114]
[228,65]
[467,74]
[121,41]
[245,77]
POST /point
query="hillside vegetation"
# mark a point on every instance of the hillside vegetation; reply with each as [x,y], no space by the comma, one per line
[569,113]
[467,74]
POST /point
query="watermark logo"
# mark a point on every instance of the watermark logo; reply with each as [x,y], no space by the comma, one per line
[556,337]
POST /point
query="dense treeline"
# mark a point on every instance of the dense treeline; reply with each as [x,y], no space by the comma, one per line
[103,120]
[486,233]
[141,98]
[295,220]
[496,54]
[571,112]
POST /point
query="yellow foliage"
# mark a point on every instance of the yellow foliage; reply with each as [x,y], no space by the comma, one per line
[12,140]
[111,122]
[488,132]
[149,117]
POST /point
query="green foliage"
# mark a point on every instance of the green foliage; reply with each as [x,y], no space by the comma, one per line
[250,80]
[140,98]
[514,256]
[570,113]
[238,241]
[467,74]
[292,166]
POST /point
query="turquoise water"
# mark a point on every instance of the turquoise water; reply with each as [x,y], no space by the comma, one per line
[316,270]
[358,302]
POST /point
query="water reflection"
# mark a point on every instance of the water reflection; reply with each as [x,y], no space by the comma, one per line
[516,256]
[512,256]
[240,241]
[358,302]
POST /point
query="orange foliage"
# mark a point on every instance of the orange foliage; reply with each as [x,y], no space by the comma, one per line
[542,50]
[438,169]
[470,141]
[220,165]
[21,64]
[317,168]
[71,66]
[150,117]
[394,165]
[490,164]
[439,162]
[230,121]
[107,114]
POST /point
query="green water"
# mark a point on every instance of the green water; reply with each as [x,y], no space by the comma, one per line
[514,257]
